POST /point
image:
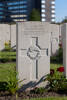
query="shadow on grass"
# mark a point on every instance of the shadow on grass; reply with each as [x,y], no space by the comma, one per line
[3,86]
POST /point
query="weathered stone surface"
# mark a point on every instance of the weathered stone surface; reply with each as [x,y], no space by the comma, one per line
[33,51]
[64,36]
[4,35]
[13,36]
[7,33]
[55,33]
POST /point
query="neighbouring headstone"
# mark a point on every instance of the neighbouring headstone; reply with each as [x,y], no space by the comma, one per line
[54,39]
[33,51]
[64,42]
[4,35]
[7,33]
[13,36]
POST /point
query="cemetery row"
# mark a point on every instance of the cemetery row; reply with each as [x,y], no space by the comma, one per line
[35,42]
[34,47]
[8,34]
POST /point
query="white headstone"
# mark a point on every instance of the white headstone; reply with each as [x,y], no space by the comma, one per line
[54,39]
[33,50]
[64,38]
[13,35]
[4,35]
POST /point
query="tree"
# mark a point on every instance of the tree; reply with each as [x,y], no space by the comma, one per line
[64,21]
[35,15]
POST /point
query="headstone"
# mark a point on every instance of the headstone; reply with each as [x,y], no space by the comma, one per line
[33,51]
[64,38]
[13,36]
[54,39]
[4,35]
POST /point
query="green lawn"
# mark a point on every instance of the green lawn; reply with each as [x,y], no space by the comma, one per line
[4,70]
[11,66]
[7,56]
[8,53]
[51,98]
[5,67]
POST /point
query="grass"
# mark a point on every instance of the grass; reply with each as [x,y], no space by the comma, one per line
[51,98]
[4,70]
[5,67]
[8,54]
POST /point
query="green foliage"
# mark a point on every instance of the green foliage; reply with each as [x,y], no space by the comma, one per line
[64,21]
[60,55]
[8,46]
[55,66]
[12,82]
[35,15]
[57,82]
[58,58]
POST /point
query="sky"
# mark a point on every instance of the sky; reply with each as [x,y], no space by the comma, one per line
[61,9]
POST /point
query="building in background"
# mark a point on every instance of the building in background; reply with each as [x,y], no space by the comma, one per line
[48,10]
[19,10]
[13,10]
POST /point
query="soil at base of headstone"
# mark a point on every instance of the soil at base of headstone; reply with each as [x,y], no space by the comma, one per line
[5,95]
[28,95]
